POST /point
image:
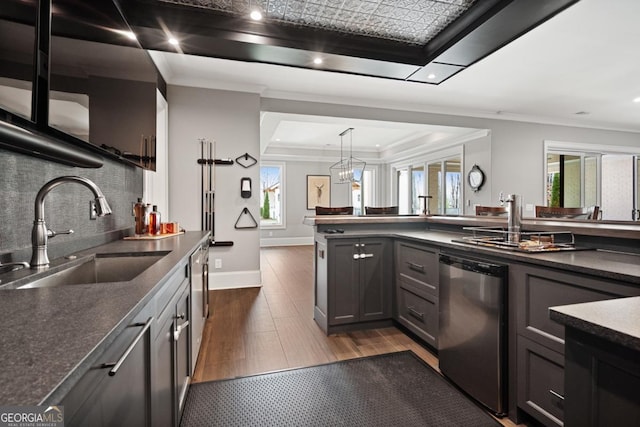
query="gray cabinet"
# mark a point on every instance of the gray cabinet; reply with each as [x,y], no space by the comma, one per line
[356,274]
[171,352]
[143,377]
[417,287]
[540,342]
[116,391]
[602,380]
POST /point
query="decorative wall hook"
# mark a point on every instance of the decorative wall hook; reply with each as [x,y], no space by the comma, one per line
[246,160]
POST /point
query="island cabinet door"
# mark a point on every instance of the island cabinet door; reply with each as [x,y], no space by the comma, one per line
[602,381]
[344,281]
[375,279]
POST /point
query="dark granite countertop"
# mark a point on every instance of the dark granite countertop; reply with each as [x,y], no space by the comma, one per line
[49,334]
[616,320]
[604,264]
[615,229]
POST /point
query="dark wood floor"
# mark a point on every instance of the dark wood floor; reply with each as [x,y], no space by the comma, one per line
[257,330]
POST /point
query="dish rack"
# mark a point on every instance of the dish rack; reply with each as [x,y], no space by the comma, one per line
[531,241]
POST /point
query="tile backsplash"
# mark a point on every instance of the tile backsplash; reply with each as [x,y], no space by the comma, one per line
[65,207]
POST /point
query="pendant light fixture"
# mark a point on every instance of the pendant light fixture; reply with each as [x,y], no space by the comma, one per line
[348,169]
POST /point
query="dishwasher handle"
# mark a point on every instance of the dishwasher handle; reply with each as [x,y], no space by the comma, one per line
[476,266]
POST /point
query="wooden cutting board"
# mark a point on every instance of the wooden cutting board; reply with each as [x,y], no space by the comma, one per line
[150,237]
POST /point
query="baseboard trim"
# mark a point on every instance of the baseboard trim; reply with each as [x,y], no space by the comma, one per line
[286,241]
[235,279]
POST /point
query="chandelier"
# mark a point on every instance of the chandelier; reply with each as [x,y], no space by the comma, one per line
[348,169]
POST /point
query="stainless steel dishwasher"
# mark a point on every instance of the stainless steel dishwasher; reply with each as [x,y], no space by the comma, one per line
[471,349]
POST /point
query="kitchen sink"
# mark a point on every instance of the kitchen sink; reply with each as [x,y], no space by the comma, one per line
[100,268]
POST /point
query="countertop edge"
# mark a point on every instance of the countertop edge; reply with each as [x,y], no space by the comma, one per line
[616,320]
[619,229]
[548,260]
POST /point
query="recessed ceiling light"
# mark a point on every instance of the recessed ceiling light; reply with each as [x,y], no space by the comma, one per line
[256,15]
[431,76]
[377,145]
[317,60]
[173,41]
[127,34]
[277,139]
[637,100]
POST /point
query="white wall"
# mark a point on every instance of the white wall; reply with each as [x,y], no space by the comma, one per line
[232,120]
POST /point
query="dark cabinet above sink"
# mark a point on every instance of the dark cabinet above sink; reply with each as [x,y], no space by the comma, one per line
[73,72]
[17,41]
[102,85]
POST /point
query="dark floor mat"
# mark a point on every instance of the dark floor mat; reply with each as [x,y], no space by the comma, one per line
[395,389]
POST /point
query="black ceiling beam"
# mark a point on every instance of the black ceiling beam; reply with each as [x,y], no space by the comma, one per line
[486,27]
[209,23]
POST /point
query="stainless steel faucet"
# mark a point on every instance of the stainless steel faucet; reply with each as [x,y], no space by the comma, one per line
[40,234]
[514,219]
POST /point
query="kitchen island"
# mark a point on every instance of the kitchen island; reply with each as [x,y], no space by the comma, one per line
[607,266]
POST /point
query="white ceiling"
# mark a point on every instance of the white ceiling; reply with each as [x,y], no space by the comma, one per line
[586,59]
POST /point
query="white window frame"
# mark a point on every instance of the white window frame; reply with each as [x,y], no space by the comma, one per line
[283,206]
[424,161]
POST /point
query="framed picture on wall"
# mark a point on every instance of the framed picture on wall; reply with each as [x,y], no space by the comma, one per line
[318,191]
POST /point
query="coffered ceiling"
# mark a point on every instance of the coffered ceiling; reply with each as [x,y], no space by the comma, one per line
[426,41]
[406,21]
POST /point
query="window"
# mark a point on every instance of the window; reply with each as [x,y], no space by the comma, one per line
[439,177]
[417,187]
[272,196]
[404,191]
[452,187]
[578,176]
[363,191]
[434,182]
[571,180]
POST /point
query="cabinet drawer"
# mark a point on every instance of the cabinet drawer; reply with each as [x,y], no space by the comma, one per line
[417,268]
[540,382]
[93,399]
[419,314]
[537,289]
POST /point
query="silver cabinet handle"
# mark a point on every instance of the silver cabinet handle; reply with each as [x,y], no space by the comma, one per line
[413,312]
[179,329]
[362,256]
[415,267]
[115,366]
[556,394]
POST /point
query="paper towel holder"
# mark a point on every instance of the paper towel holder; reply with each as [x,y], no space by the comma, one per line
[245,187]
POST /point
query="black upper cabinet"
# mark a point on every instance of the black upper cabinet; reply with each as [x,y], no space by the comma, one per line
[76,83]
[17,47]
[102,85]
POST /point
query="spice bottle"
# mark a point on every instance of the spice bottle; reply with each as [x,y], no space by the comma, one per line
[154,221]
[140,213]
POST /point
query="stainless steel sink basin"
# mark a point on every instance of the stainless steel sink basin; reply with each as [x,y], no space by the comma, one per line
[100,268]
